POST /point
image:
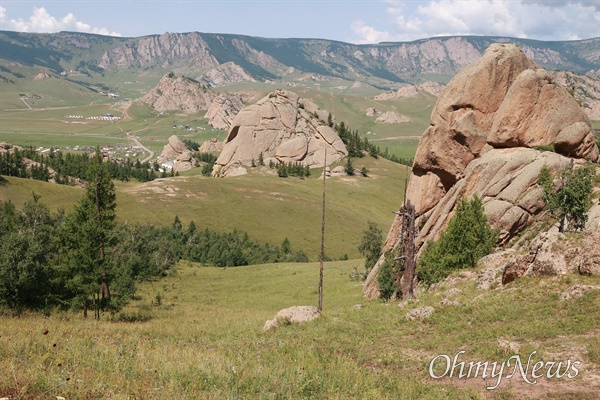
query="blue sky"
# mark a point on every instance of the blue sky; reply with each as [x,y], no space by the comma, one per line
[350,21]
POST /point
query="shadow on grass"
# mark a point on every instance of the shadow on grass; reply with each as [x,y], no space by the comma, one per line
[3,182]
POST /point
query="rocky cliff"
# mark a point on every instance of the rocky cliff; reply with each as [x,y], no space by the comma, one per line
[169,50]
[392,62]
[484,131]
[284,128]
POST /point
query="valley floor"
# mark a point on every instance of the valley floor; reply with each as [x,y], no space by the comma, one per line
[197,334]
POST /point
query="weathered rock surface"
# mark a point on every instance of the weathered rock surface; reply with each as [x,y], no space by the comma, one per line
[222,110]
[432,88]
[284,128]
[175,155]
[508,347]
[169,50]
[420,313]
[211,146]
[482,129]
[178,93]
[226,74]
[576,291]
[295,315]
[390,117]
[588,260]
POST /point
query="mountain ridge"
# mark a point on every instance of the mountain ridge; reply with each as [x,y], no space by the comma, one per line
[382,64]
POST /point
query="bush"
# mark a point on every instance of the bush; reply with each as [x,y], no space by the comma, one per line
[386,279]
[467,238]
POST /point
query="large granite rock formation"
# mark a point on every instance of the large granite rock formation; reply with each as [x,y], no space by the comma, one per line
[284,128]
[175,155]
[223,109]
[483,131]
[211,146]
[179,93]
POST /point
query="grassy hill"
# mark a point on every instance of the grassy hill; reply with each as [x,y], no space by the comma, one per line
[204,339]
[269,208]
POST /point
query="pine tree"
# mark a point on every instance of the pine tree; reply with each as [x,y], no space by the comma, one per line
[86,236]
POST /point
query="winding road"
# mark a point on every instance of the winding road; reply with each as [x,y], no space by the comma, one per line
[137,143]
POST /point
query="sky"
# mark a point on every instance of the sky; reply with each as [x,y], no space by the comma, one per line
[360,21]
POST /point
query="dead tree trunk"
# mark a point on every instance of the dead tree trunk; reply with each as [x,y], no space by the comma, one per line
[409,253]
[322,256]
[406,249]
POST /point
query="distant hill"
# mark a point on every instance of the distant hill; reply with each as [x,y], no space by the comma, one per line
[287,60]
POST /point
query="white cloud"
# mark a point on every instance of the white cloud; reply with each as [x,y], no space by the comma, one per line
[41,21]
[368,34]
[534,19]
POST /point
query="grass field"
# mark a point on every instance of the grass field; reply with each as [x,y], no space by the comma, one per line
[205,341]
[42,122]
[267,207]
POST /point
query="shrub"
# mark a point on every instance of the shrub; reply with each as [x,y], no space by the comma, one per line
[467,238]
[386,279]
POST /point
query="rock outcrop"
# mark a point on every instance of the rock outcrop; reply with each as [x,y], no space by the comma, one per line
[179,93]
[387,117]
[175,155]
[223,109]
[484,128]
[390,117]
[226,74]
[284,128]
[211,146]
[432,88]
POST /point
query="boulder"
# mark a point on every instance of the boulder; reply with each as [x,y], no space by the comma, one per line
[420,313]
[298,314]
[281,126]
[576,291]
[295,315]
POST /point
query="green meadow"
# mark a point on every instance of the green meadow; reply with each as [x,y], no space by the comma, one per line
[197,334]
[265,206]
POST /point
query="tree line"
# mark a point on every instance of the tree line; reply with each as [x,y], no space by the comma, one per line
[86,260]
[357,147]
[68,167]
